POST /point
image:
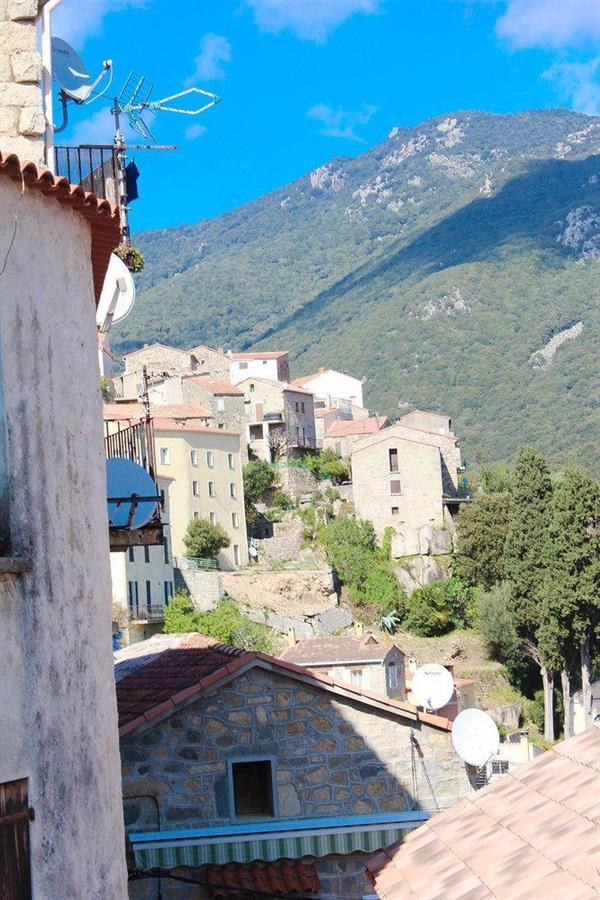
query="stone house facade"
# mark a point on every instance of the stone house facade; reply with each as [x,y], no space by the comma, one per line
[240,753]
[280,418]
[344,434]
[211,361]
[22,122]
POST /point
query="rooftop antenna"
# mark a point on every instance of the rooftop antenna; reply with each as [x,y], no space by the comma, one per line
[432,686]
[475,737]
[73,79]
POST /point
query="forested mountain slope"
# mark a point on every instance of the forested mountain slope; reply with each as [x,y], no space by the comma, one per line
[455,267]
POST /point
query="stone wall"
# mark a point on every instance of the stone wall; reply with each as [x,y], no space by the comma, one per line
[284,542]
[204,586]
[296,480]
[22,123]
[332,756]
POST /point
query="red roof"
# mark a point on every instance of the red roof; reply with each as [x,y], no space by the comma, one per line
[321,413]
[531,834]
[286,876]
[173,676]
[260,354]
[336,649]
[343,427]
[159,412]
[103,218]
[217,386]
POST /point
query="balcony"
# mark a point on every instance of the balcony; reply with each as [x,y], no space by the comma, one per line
[94,167]
[147,614]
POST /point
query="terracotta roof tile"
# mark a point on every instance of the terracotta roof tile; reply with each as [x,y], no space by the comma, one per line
[343,427]
[217,386]
[531,834]
[261,354]
[286,876]
[103,218]
[346,648]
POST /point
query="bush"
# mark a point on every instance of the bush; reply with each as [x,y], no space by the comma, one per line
[382,589]
[132,257]
[226,623]
[349,546]
[282,500]
[259,476]
[328,464]
[204,540]
[439,607]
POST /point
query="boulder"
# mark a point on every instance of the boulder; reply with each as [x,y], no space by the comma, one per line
[441,542]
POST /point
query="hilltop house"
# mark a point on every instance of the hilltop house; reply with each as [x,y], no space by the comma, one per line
[61,818]
[359,660]
[280,418]
[162,362]
[333,388]
[271,364]
[252,772]
[343,434]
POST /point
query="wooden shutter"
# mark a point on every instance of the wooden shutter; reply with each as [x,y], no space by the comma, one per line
[15,815]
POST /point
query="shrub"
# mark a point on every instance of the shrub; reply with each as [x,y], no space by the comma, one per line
[439,607]
[259,476]
[382,589]
[349,546]
[282,500]
[132,257]
[328,464]
[203,539]
[226,623]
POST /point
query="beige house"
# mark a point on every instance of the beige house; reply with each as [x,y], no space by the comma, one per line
[280,418]
[61,818]
[358,660]
[162,362]
[335,388]
[343,434]
[271,364]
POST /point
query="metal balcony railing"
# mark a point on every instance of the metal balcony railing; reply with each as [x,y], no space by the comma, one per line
[135,442]
[145,613]
[93,166]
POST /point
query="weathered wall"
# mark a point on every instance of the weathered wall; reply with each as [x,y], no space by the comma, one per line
[205,587]
[332,757]
[296,480]
[158,359]
[59,723]
[21,118]
[284,544]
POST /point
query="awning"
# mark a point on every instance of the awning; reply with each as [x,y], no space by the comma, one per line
[269,841]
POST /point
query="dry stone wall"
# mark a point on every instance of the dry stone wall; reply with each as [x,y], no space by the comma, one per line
[22,121]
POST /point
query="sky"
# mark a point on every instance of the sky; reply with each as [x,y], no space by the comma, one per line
[304,81]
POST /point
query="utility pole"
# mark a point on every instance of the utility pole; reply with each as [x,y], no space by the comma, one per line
[119,142]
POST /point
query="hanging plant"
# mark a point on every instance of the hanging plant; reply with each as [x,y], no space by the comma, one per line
[132,258]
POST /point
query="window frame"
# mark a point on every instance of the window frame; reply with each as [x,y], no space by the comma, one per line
[194,458]
[395,493]
[253,758]
[212,517]
[195,489]
[235,520]
[237,556]
[233,490]
[231,461]
[212,490]
[164,456]
[210,459]
[394,466]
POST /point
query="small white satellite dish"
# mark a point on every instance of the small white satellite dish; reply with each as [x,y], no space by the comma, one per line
[475,737]
[432,686]
[132,494]
[69,71]
[117,297]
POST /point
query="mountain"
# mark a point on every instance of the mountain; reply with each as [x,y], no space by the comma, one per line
[455,267]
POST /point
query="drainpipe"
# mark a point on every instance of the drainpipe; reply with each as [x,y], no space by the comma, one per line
[49,7]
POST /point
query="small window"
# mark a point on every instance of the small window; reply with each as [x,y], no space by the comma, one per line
[220,425]
[232,490]
[395,486]
[196,514]
[338,448]
[194,457]
[297,406]
[235,520]
[131,554]
[302,406]
[165,457]
[148,593]
[195,490]
[213,518]
[356,676]
[132,591]
[392,675]
[220,404]
[166,548]
[264,362]
[243,365]
[210,459]
[252,789]
[231,460]
[236,555]
[168,591]
[252,388]
[393,455]
[499,766]
[146,554]
[211,489]
[395,510]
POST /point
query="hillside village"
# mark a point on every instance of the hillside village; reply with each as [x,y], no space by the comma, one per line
[257,639]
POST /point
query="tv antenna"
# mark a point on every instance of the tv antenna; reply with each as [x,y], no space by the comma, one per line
[73,79]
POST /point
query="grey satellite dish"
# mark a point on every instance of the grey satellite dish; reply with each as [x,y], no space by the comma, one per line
[475,737]
[132,494]
[432,686]
[117,297]
[69,71]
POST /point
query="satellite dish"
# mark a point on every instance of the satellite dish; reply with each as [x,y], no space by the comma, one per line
[69,71]
[475,737]
[125,482]
[432,686]
[118,295]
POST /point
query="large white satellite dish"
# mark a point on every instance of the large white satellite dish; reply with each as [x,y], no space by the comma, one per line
[118,295]
[69,71]
[132,494]
[475,737]
[432,686]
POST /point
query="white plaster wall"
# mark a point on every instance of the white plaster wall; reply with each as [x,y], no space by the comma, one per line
[56,680]
[334,386]
[254,368]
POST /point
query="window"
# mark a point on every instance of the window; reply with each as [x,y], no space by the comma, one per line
[219,425]
[232,490]
[252,789]
[252,388]
[15,815]
[131,554]
[338,448]
[235,520]
[395,487]
[236,555]
[302,406]
[194,457]
[210,459]
[146,554]
[196,514]
[243,365]
[264,362]
[165,457]
[148,593]
[393,455]
[395,510]
[168,591]
[297,406]
[132,591]
[211,489]
[213,518]
[392,675]
[220,404]
[499,766]
[195,491]
[166,548]
[356,677]
[231,460]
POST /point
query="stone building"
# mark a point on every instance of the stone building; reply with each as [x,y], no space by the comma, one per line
[61,819]
[248,766]
[343,434]
[359,660]
[280,418]
[162,362]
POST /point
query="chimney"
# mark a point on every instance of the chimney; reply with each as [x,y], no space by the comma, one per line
[22,123]
[359,629]
[291,637]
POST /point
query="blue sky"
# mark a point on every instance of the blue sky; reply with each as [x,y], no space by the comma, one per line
[303,81]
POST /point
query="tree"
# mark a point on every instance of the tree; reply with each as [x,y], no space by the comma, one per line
[482,530]
[495,478]
[349,546]
[526,560]
[203,539]
[496,622]
[258,476]
[439,607]
[328,464]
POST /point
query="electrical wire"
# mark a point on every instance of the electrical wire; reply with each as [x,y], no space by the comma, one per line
[101,93]
[234,891]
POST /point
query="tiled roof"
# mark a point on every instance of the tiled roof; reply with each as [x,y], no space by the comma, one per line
[156,344]
[321,413]
[265,354]
[343,427]
[189,425]
[174,675]
[532,834]
[282,385]
[346,648]
[286,876]
[217,386]
[103,218]
[158,411]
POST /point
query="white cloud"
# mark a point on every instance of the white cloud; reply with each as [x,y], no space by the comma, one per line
[214,50]
[577,84]
[99,128]
[549,23]
[76,20]
[339,123]
[194,131]
[310,20]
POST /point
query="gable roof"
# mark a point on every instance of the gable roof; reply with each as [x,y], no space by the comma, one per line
[343,427]
[220,387]
[532,833]
[157,344]
[158,411]
[305,379]
[103,218]
[175,675]
[261,354]
[331,650]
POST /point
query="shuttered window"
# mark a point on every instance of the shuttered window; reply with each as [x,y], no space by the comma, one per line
[15,815]
[395,486]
